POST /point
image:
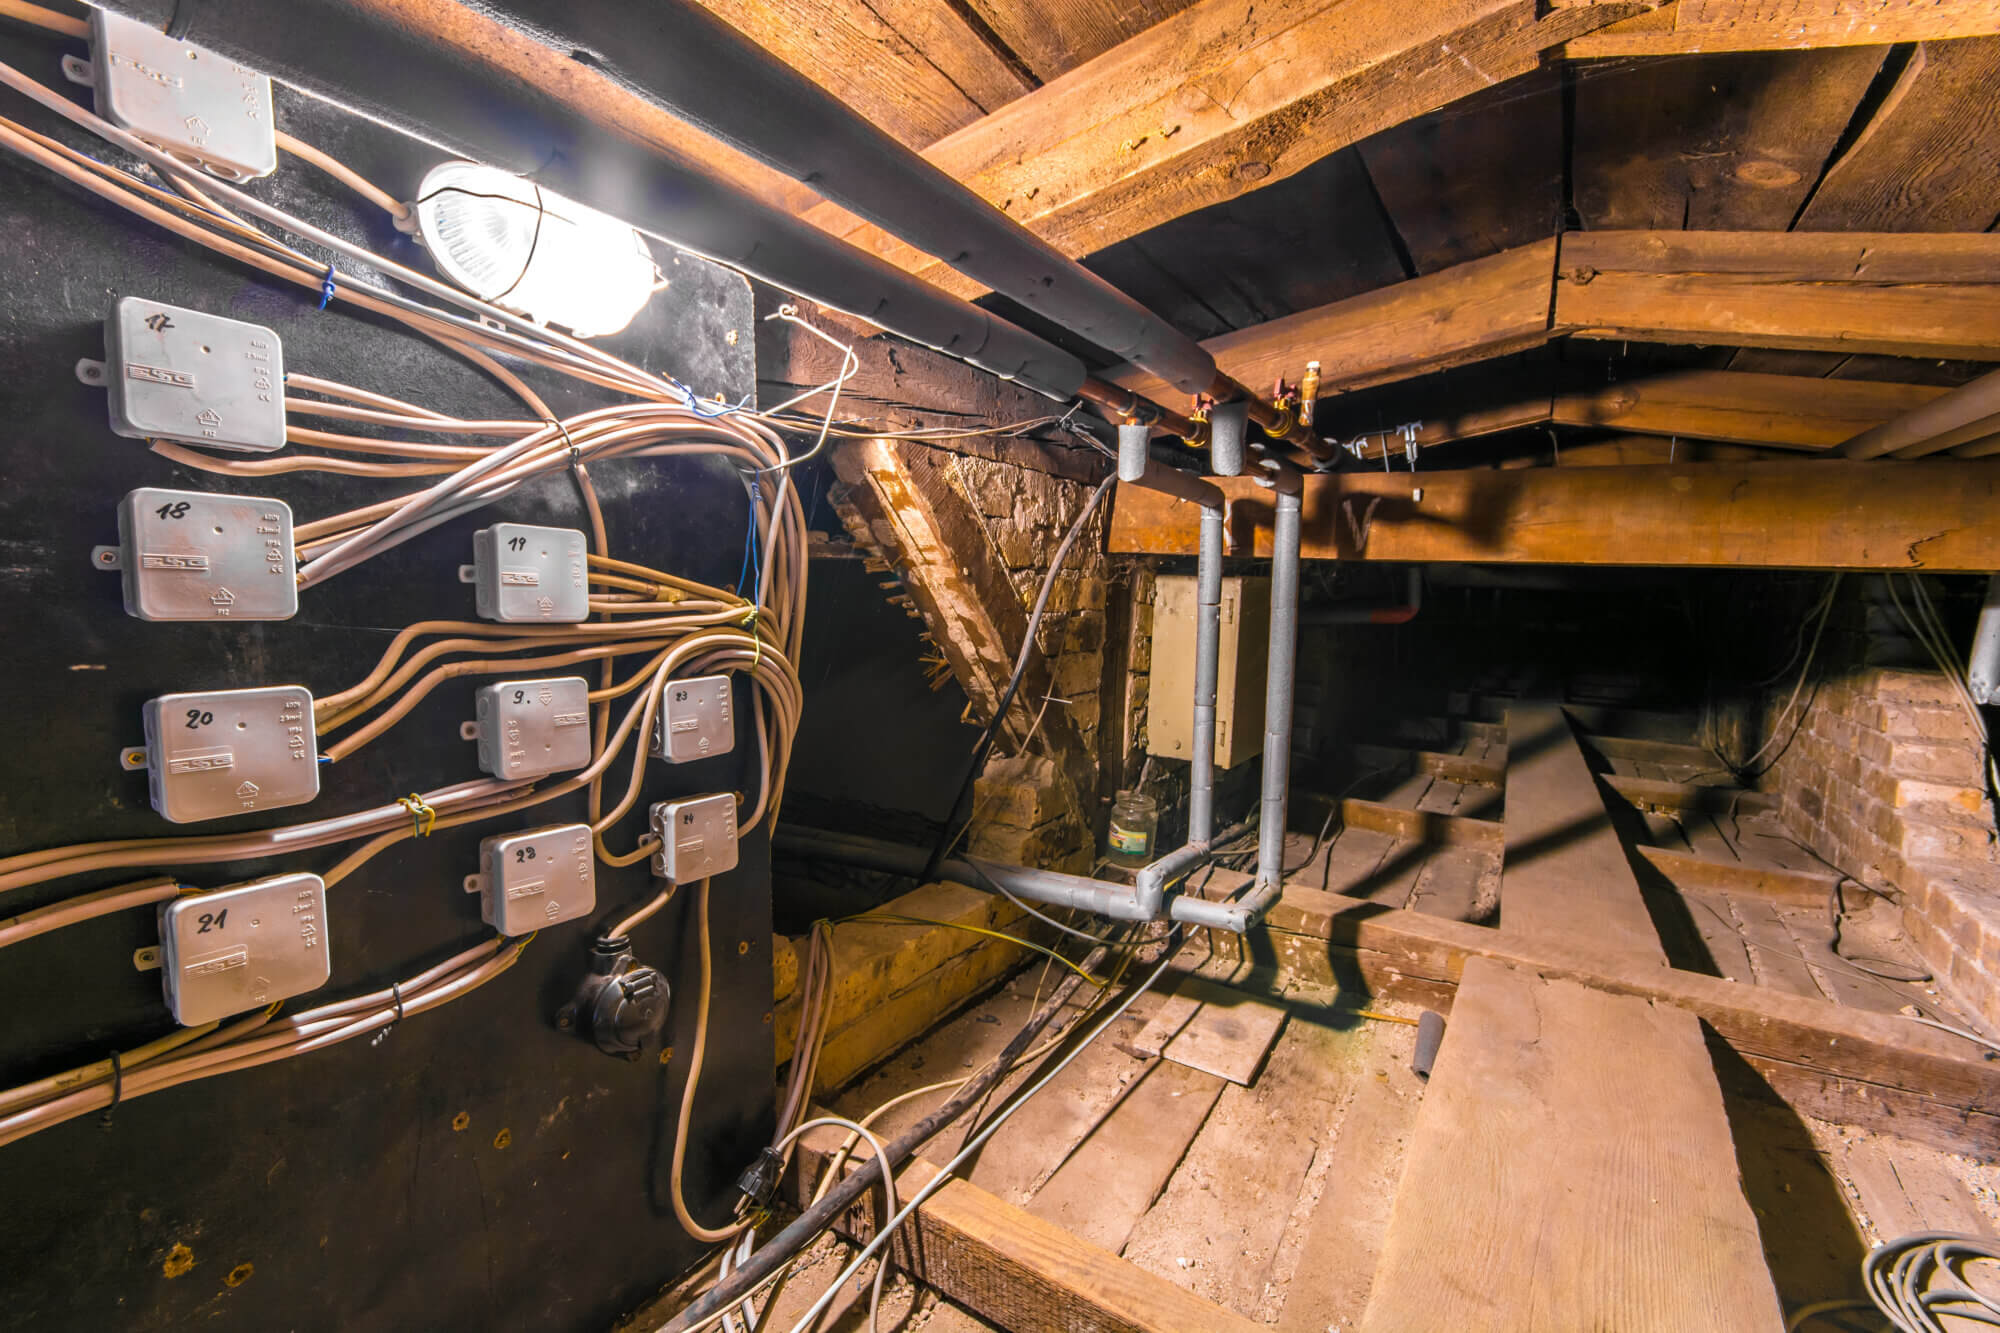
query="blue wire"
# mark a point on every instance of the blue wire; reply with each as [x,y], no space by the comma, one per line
[326,287]
[751,558]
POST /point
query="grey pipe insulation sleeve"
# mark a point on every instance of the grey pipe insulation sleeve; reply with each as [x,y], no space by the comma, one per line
[364,55]
[1228,426]
[1280,675]
[1207,673]
[1962,406]
[686,59]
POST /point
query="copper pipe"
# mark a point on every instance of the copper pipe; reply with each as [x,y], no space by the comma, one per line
[1129,406]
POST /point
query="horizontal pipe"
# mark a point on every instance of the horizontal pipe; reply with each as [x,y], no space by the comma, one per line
[1978,429]
[420,73]
[680,56]
[1401,613]
[1125,405]
[1962,406]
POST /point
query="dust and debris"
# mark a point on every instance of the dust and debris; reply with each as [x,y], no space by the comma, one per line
[238,1275]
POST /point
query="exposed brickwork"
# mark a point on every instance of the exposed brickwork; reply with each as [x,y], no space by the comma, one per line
[1883,781]
[1021,811]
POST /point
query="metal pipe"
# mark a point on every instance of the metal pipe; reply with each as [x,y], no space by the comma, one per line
[684,58]
[1228,423]
[1977,429]
[1983,668]
[432,82]
[1280,676]
[1360,614]
[1960,407]
[1128,406]
[1207,655]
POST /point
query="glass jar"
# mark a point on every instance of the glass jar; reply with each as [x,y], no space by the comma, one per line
[1135,819]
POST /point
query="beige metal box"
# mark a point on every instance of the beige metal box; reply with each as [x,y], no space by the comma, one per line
[1239,691]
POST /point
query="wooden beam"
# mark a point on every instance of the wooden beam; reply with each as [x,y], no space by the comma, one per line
[1010,1267]
[1218,100]
[1895,294]
[1785,411]
[1685,871]
[1418,825]
[916,68]
[1818,514]
[1746,25]
[1483,309]
[1558,1199]
[900,386]
[1658,797]
[1474,772]
[1563,875]
[1854,1066]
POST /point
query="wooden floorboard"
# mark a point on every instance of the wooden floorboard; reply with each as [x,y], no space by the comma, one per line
[1564,874]
[1541,1193]
[1017,1270]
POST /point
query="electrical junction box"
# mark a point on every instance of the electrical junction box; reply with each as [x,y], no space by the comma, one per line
[1239,689]
[224,952]
[697,837]
[175,374]
[522,573]
[535,878]
[528,728]
[218,753]
[694,720]
[187,555]
[202,108]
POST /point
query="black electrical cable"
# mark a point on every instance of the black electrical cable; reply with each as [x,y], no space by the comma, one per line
[958,812]
[780,1249]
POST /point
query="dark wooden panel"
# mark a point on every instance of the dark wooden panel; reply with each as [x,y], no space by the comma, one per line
[1929,158]
[1482,176]
[1717,142]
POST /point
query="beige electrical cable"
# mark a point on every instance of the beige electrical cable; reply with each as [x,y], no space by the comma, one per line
[711,1235]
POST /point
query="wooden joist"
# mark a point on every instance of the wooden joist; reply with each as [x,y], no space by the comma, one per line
[1685,871]
[1888,293]
[1471,312]
[1217,100]
[1571,1168]
[1011,1268]
[1747,25]
[1810,514]
[1855,1066]
[1657,796]
[1422,826]
[1784,411]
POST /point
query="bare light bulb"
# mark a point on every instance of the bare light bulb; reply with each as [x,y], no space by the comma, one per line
[527,249]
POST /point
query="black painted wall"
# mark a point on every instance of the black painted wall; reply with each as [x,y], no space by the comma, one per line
[335,1191]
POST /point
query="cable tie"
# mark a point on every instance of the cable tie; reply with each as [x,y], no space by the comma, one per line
[422,817]
[396,992]
[326,287]
[117,1089]
[575,453]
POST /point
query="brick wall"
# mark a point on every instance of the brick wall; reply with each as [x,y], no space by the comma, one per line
[1883,781]
[1020,810]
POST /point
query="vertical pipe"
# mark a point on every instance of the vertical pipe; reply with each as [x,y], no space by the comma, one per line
[1985,664]
[1134,450]
[1207,651]
[1228,426]
[1279,679]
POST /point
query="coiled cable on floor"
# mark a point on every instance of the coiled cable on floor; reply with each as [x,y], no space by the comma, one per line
[1918,1281]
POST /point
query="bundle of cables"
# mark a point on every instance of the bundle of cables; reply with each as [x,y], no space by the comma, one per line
[1917,1283]
[667,624]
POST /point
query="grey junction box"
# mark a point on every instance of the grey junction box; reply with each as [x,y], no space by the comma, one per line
[189,555]
[697,837]
[244,946]
[183,99]
[524,573]
[527,728]
[177,374]
[215,753]
[694,721]
[535,878]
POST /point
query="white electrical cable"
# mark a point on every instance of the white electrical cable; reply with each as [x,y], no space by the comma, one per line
[974,1143]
